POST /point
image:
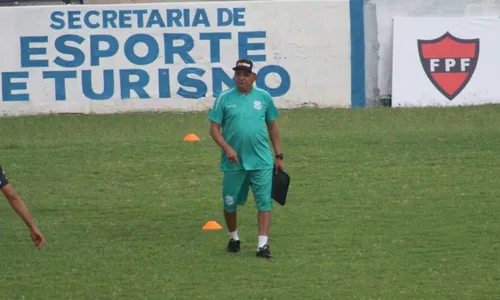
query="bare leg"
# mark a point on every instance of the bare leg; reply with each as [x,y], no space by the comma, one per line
[264,219]
[230,221]
[234,241]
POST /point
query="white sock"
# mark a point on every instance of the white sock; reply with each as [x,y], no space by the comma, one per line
[262,241]
[234,235]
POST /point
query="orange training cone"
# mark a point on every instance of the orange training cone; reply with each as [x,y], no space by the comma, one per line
[212,225]
[191,138]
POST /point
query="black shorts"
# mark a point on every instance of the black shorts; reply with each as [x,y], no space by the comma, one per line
[3,178]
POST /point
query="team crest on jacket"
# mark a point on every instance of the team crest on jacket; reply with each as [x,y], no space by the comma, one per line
[449,62]
[257,105]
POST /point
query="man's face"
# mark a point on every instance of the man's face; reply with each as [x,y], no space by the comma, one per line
[244,79]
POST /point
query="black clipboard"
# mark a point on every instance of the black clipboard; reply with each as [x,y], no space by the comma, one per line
[281,182]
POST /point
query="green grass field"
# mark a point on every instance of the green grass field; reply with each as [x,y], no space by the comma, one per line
[384,204]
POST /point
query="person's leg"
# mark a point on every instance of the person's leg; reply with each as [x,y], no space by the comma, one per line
[231,222]
[261,183]
[234,193]
[264,221]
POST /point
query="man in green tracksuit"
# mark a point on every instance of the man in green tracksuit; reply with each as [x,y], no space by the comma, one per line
[246,114]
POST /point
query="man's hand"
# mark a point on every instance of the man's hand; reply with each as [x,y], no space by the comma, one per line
[37,237]
[272,126]
[21,209]
[232,155]
[279,164]
[219,139]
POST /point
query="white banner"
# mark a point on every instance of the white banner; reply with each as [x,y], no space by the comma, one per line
[446,61]
[170,56]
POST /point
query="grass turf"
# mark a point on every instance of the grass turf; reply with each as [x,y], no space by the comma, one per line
[384,204]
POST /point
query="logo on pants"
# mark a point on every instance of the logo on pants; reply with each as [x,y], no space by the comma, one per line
[449,62]
[229,200]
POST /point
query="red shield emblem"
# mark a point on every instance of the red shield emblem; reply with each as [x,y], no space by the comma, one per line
[449,62]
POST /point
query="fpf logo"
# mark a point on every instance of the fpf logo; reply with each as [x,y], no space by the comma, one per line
[449,62]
